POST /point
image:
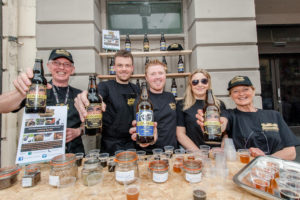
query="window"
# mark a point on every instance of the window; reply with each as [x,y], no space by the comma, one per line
[139,17]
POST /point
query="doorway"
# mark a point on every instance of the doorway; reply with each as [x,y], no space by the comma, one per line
[280,83]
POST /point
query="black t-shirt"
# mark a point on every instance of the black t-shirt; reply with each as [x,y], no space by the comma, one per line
[164,106]
[264,129]
[117,119]
[187,119]
[73,119]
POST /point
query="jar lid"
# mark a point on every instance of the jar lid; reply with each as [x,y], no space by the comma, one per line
[7,172]
[32,168]
[63,159]
[91,163]
[158,165]
[126,157]
[192,165]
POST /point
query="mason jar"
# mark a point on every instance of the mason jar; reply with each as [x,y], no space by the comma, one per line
[126,170]
[159,170]
[192,170]
[91,173]
[62,166]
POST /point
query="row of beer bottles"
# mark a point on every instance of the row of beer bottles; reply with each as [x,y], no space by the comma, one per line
[146,44]
[180,65]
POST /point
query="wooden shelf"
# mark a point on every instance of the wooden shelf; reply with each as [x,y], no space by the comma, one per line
[151,53]
[169,75]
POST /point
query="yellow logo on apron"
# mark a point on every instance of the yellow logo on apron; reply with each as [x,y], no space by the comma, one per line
[269,127]
[130,101]
[172,106]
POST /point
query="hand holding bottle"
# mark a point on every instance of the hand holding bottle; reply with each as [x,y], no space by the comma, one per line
[133,133]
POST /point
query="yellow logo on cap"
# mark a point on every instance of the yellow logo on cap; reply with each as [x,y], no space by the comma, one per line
[61,51]
[237,79]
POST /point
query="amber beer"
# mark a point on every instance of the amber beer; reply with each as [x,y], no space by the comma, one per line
[212,126]
[36,97]
[144,118]
[93,121]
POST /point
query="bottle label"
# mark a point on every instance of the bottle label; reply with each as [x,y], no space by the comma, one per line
[145,124]
[212,123]
[163,46]
[26,182]
[128,46]
[180,67]
[174,91]
[124,176]
[53,180]
[146,46]
[94,116]
[193,178]
[36,96]
[112,70]
[160,178]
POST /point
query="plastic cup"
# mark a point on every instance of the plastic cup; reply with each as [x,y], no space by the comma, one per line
[103,159]
[157,153]
[204,146]
[133,190]
[79,157]
[169,151]
[244,155]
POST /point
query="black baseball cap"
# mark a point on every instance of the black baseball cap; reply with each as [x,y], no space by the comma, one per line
[239,80]
[61,53]
[174,47]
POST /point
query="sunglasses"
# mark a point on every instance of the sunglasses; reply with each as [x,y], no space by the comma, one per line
[204,81]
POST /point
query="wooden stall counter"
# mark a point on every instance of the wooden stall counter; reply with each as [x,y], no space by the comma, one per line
[176,188]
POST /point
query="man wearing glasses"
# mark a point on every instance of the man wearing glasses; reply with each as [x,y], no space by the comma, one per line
[59,92]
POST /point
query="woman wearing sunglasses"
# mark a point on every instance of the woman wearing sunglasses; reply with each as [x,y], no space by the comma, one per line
[188,132]
[263,132]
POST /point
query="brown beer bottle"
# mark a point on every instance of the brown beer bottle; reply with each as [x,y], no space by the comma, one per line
[174,88]
[93,120]
[146,43]
[127,43]
[163,46]
[36,97]
[212,126]
[144,118]
[180,65]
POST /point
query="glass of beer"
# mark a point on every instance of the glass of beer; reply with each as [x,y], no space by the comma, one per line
[244,155]
[289,189]
[132,190]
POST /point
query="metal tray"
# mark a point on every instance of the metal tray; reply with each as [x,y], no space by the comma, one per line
[242,177]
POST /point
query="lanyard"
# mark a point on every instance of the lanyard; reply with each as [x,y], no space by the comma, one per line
[56,95]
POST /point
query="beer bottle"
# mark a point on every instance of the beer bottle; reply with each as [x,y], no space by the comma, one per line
[138,84]
[180,65]
[163,46]
[164,60]
[146,43]
[127,43]
[147,60]
[93,120]
[111,67]
[212,126]
[144,118]
[174,88]
[36,97]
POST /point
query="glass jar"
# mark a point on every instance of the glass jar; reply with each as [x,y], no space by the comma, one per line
[159,171]
[126,170]
[62,166]
[32,175]
[91,173]
[8,176]
[193,170]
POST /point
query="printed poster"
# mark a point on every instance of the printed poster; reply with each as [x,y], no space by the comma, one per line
[111,40]
[42,136]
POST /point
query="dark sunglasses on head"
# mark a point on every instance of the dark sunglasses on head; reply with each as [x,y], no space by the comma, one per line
[204,81]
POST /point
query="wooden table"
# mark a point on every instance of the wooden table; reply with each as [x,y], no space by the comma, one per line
[176,188]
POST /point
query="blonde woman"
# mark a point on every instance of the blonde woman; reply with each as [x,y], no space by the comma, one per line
[188,132]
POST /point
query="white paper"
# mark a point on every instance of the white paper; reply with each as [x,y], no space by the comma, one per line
[111,40]
[42,137]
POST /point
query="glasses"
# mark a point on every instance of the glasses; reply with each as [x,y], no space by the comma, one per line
[57,64]
[204,81]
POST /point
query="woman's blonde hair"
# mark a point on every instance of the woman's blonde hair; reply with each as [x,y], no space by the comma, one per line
[189,100]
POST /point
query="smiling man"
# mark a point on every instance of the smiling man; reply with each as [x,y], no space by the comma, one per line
[119,96]
[61,67]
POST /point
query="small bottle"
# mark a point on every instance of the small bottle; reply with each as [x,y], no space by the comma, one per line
[180,65]
[111,67]
[138,84]
[212,126]
[127,43]
[164,60]
[147,60]
[163,46]
[146,43]
[93,121]
[36,96]
[174,88]
[144,118]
